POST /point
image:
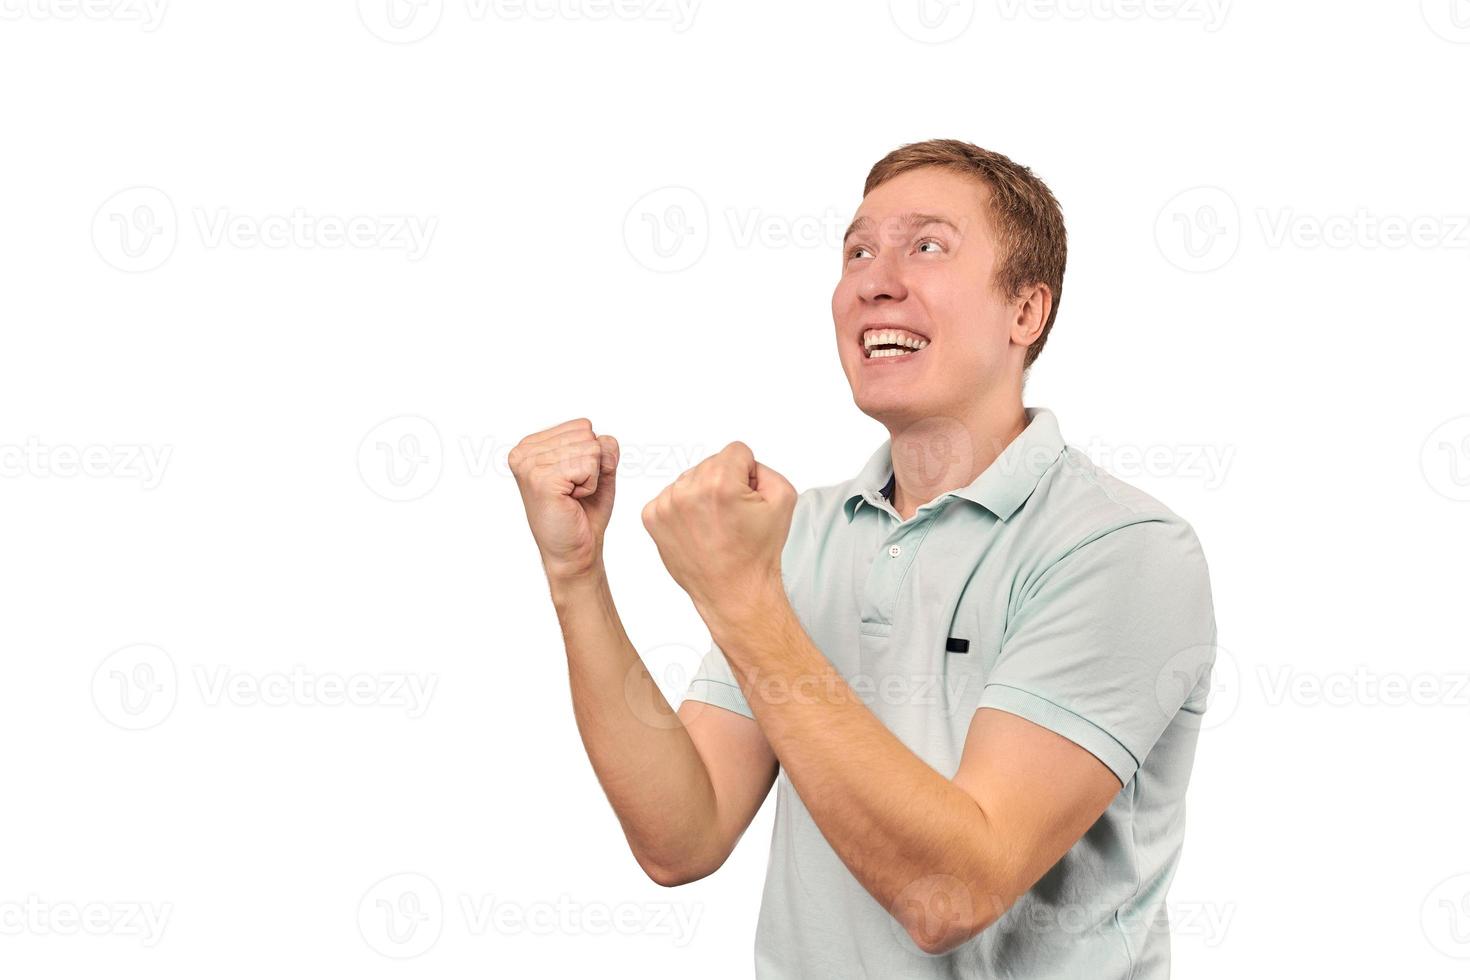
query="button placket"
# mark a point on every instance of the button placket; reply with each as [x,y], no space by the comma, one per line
[885,576]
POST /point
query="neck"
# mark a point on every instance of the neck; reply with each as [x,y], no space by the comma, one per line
[945,452]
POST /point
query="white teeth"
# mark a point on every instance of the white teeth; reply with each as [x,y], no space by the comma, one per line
[874,338]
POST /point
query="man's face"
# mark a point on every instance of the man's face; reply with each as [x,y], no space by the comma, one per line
[932,275]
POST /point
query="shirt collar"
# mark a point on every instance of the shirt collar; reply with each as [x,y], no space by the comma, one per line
[1001,488]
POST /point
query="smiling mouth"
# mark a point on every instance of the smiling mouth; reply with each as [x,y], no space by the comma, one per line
[887,344]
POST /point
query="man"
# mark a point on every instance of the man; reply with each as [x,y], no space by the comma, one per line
[978,667]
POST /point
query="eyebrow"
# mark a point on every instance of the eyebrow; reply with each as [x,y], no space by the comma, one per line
[911,219]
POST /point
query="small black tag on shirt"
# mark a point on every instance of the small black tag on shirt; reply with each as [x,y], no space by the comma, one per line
[956,645]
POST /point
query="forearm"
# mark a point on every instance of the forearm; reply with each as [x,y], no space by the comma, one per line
[911,837]
[644,758]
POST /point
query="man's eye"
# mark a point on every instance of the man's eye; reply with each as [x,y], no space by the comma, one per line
[852,252]
[930,241]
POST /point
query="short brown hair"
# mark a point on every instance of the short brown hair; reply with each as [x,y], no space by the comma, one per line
[1031,238]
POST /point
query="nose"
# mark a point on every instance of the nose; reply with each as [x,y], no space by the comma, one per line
[882,278]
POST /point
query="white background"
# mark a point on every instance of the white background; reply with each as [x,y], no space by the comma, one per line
[245,460]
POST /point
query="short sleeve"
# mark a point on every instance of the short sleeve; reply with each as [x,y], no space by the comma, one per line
[715,683]
[1096,647]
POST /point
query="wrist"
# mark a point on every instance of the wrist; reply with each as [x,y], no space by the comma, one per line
[741,611]
[570,589]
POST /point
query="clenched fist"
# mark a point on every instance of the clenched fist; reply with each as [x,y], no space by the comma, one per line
[567,476]
[720,529]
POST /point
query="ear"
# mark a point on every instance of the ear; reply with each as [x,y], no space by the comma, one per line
[1032,307]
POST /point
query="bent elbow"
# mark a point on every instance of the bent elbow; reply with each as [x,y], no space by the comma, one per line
[947,918]
[938,942]
[674,877]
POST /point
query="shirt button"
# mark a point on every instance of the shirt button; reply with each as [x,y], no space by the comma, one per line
[894,551]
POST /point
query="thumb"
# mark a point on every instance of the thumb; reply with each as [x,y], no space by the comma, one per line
[607,472]
[772,486]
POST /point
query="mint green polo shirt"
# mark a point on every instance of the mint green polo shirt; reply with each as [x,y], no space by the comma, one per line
[1074,600]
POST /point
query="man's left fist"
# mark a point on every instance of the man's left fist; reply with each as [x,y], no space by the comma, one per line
[720,529]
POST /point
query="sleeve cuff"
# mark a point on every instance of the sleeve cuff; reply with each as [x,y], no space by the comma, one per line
[718,693]
[1065,723]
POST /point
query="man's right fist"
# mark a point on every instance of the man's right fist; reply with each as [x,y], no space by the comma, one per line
[567,476]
